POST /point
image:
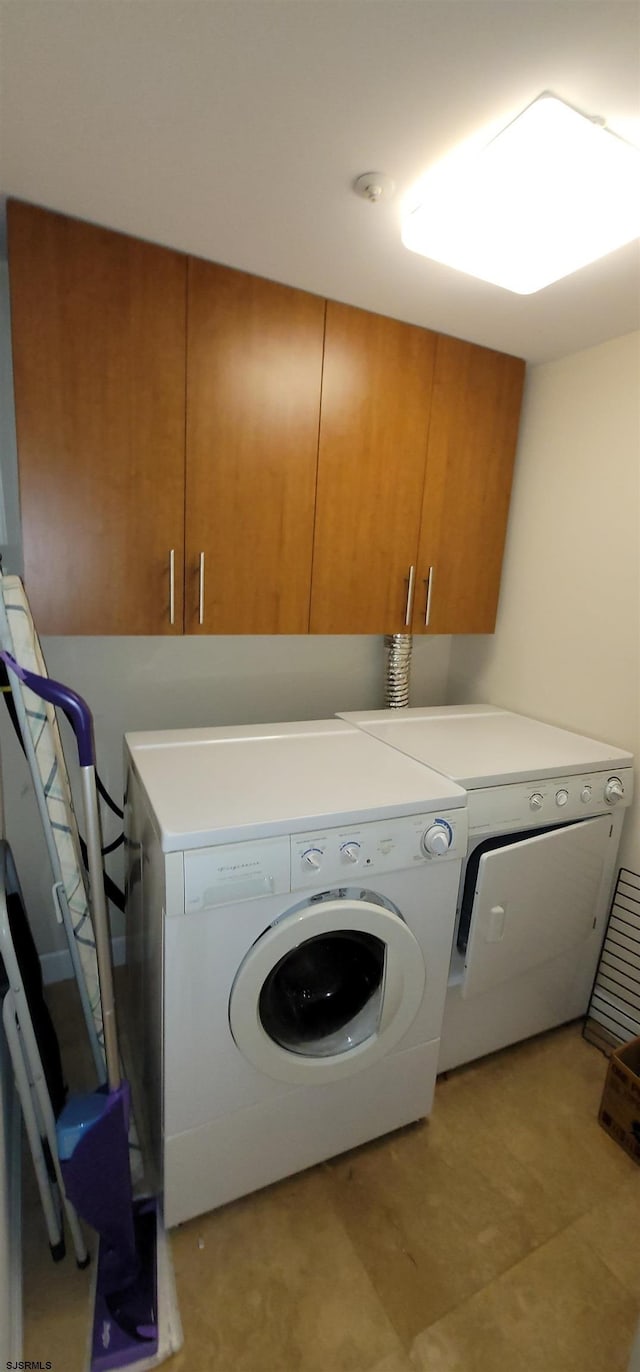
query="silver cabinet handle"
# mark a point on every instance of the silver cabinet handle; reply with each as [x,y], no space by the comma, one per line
[429,585]
[172,586]
[407,613]
[201,591]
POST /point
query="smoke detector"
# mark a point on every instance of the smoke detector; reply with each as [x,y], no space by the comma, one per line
[374,186]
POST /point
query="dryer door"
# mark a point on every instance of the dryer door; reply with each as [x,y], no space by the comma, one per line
[327,990]
[534,900]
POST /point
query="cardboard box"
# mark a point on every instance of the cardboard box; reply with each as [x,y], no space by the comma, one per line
[620,1104]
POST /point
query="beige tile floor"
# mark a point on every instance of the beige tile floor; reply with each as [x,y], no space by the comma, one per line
[501,1236]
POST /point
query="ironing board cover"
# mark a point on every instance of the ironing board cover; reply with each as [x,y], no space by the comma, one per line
[18,636]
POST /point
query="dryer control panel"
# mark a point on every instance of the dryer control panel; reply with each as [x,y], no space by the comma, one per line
[551,800]
[335,855]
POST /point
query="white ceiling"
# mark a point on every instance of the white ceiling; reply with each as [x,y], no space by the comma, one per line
[233,129]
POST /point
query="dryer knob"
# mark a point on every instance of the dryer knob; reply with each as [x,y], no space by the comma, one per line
[438,839]
[536,801]
[613,791]
[562,797]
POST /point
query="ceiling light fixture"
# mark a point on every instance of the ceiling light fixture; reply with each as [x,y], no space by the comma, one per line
[550,193]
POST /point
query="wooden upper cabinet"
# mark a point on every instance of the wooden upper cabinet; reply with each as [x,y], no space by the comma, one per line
[206,450]
[253,401]
[376,394]
[473,433]
[98,324]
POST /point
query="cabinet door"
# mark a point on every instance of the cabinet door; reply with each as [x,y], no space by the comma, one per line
[98,324]
[253,403]
[472,442]
[376,393]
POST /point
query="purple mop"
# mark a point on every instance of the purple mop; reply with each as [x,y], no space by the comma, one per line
[92,1130]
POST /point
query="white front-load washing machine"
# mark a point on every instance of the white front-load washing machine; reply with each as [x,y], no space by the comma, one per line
[291,899]
[545,811]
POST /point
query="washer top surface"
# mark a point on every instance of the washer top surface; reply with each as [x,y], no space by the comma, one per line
[477,745]
[227,784]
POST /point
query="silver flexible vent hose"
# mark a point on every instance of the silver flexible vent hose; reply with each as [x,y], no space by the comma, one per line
[396,687]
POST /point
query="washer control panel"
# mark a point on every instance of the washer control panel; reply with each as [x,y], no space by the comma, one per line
[331,855]
[228,873]
[552,800]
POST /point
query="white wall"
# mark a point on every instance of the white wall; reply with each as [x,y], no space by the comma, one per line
[566,646]
[158,683]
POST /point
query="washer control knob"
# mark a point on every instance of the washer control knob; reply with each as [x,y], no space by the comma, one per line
[585,794]
[437,839]
[312,858]
[613,791]
[350,851]
[562,797]
[536,801]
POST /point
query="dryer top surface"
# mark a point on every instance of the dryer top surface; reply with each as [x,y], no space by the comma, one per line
[223,785]
[477,745]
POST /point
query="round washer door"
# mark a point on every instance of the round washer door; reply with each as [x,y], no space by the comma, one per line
[327,990]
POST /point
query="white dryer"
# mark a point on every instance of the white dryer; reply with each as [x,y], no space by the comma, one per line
[545,810]
[291,901]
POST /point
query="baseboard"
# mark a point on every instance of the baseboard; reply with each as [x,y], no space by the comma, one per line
[59,967]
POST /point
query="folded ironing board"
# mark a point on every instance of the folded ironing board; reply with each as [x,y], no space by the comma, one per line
[43,748]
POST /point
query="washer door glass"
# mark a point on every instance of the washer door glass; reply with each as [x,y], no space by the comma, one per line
[329,988]
[325,996]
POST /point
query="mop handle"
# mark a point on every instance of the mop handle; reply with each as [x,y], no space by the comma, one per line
[80,718]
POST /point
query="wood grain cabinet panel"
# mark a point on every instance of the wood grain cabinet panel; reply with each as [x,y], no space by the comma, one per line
[98,324]
[253,403]
[376,395]
[475,411]
[300,465]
